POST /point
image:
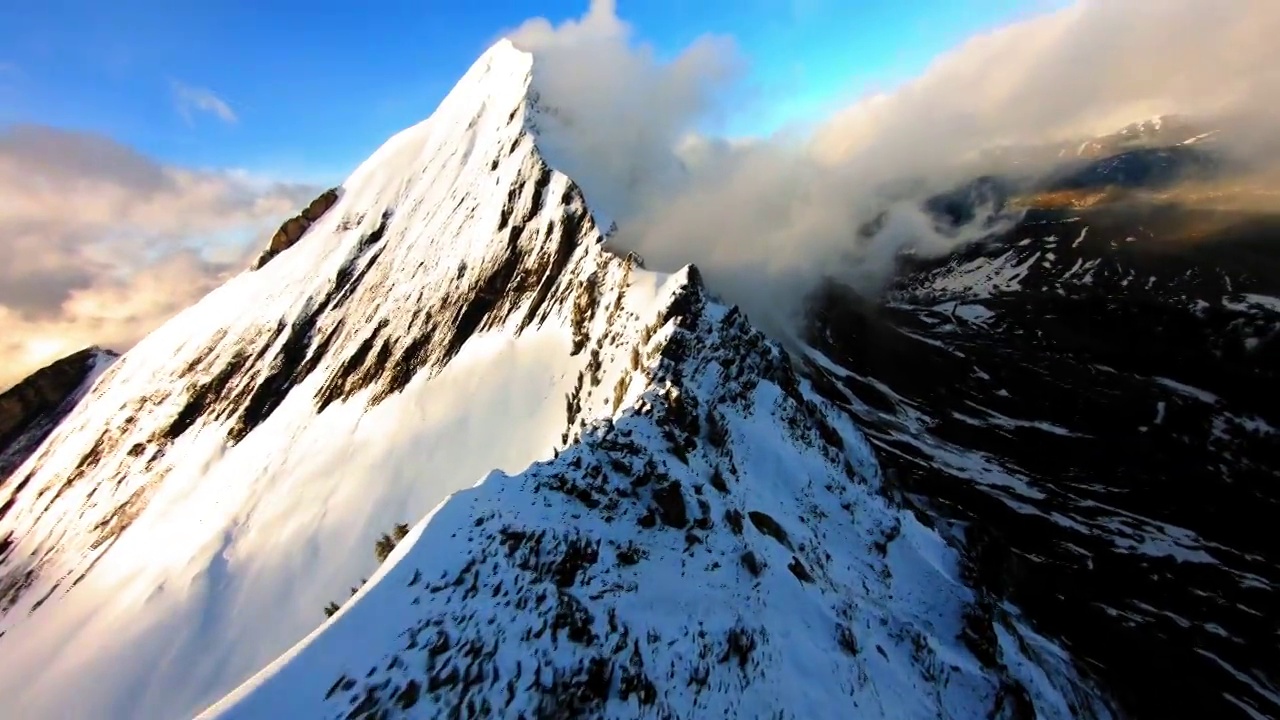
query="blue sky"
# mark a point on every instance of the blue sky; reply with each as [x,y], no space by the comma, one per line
[314,87]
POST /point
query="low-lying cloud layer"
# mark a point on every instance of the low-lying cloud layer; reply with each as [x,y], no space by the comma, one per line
[766,219]
[101,244]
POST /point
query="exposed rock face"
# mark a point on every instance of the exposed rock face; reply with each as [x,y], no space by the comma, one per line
[320,205]
[294,227]
[31,409]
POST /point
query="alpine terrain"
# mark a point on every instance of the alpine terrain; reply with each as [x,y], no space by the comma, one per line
[1092,394]
[597,490]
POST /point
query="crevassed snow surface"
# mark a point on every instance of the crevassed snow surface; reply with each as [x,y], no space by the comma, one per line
[984,277]
[454,320]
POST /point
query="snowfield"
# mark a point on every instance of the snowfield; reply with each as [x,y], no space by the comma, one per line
[624,499]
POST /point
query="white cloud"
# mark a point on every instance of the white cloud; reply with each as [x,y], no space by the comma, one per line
[1091,67]
[769,219]
[621,110]
[190,99]
[101,243]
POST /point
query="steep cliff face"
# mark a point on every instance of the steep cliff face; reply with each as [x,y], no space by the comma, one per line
[678,524]
[30,410]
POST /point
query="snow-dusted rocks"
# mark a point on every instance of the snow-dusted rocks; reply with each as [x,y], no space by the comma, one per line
[292,229]
[714,544]
[677,524]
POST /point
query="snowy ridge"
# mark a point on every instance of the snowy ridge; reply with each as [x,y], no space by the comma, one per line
[452,313]
[172,526]
[717,547]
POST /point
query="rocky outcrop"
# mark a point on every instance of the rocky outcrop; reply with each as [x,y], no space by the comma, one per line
[33,407]
[294,227]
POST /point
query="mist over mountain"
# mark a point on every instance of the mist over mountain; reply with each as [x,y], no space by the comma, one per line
[769,218]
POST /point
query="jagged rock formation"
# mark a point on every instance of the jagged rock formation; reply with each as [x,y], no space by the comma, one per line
[293,228]
[30,410]
[719,546]
[679,525]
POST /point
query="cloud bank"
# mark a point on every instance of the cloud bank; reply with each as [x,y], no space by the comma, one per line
[102,244]
[767,219]
[618,110]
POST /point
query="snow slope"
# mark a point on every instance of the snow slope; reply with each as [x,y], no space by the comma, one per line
[207,444]
[453,313]
[718,546]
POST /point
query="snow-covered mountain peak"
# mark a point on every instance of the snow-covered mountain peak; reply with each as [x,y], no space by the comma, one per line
[296,412]
[625,500]
[486,103]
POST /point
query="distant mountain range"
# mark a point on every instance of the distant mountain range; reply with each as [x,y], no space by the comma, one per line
[1089,398]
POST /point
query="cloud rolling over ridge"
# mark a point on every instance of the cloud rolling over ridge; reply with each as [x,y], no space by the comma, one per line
[767,219]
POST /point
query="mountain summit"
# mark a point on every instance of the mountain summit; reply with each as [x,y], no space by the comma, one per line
[616,497]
